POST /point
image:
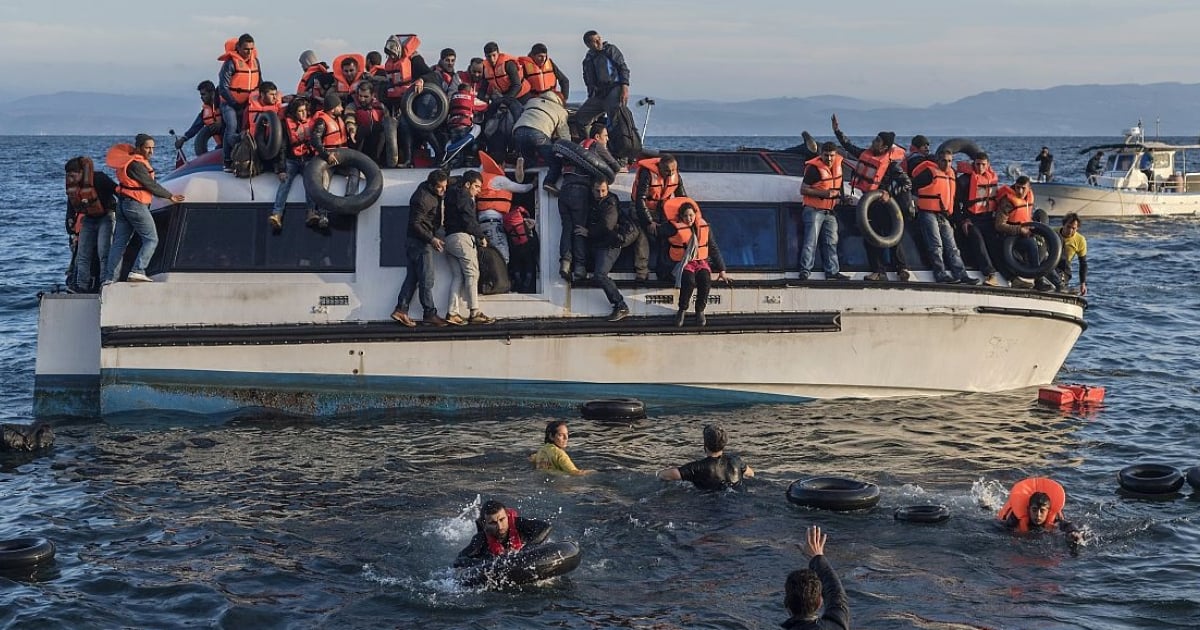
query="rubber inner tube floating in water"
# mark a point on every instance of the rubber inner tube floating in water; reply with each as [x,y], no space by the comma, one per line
[1150,479]
[20,553]
[1054,246]
[923,513]
[317,176]
[613,409]
[891,239]
[586,161]
[1193,477]
[833,493]
[530,564]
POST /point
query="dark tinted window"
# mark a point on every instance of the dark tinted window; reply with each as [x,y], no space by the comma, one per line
[746,162]
[748,236]
[789,163]
[238,238]
[393,230]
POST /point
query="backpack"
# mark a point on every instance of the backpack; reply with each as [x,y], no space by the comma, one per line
[244,156]
[493,272]
[624,142]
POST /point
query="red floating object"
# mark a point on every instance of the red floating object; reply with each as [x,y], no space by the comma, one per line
[1071,395]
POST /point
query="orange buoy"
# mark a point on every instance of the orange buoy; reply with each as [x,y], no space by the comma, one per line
[1068,395]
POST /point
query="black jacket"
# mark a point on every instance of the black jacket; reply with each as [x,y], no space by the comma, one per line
[532,531]
[603,220]
[425,212]
[460,213]
[596,74]
[106,190]
[837,607]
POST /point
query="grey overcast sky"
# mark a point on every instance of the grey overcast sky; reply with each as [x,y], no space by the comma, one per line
[913,52]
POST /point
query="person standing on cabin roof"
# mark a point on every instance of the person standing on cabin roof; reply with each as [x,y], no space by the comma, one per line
[657,180]
[542,74]
[608,231]
[879,167]
[1036,504]
[1094,168]
[607,79]
[209,116]
[502,74]
[91,202]
[464,237]
[934,185]
[1074,245]
[136,189]
[821,190]
[425,238]
[977,186]
[716,471]
[1045,162]
[806,590]
[297,151]
[240,76]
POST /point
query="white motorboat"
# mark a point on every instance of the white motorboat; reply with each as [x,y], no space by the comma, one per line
[240,317]
[1141,178]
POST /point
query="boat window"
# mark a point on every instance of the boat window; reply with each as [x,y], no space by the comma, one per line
[162,225]
[1121,162]
[745,162]
[790,163]
[213,237]
[393,240]
[747,235]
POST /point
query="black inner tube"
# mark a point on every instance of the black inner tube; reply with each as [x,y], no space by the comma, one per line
[268,135]
[25,552]
[613,409]
[533,563]
[317,174]
[966,146]
[833,493]
[1150,479]
[590,163]
[863,214]
[1051,239]
[923,513]
[426,110]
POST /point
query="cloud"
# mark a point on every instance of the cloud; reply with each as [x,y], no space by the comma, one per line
[225,21]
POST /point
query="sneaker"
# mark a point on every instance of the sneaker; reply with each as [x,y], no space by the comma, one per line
[991,281]
[839,276]
[875,277]
[276,222]
[679,317]
[904,275]
[1020,283]
[701,320]
[564,269]
[138,277]
[550,188]
[432,319]
[618,313]
[312,218]
[454,319]
[968,280]
[323,223]
[945,278]
[477,317]
[402,317]
[228,167]
[803,277]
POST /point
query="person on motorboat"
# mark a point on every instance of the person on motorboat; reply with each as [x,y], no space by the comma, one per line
[607,79]
[136,189]
[91,204]
[464,237]
[934,185]
[444,74]
[1074,246]
[502,74]
[657,180]
[693,249]
[716,471]
[807,590]
[553,453]
[1045,162]
[1036,504]
[500,531]
[608,230]
[239,77]
[976,204]
[542,74]
[821,191]
[1095,168]
[209,116]
[425,238]
[878,167]
[297,151]
[347,72]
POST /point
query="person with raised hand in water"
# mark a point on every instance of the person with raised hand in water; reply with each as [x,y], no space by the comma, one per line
[1036,504]
[553,454]
[806,590]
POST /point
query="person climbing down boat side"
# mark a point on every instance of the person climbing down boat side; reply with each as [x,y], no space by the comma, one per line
[693,249]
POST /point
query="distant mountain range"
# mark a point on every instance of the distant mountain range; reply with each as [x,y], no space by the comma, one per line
[1068,110]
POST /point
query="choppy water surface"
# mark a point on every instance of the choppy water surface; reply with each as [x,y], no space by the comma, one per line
[172,521]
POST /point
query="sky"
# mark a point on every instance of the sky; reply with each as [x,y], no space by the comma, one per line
[909,53]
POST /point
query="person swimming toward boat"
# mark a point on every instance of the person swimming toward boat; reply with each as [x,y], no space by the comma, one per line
[1036,504]
[716,471]
[500,531]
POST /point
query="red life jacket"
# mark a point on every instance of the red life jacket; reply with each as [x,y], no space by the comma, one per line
[831,179]
[335,130]
[1022,207]
[82,196]
[660,190]
[463,107]
[871,168]
[981,189]
[130,187]
[246,75]
[587,143]
[309,72]
[514,226]
[496,76]
[1018,501]
[515,543]
[938,196]
[370,114]
[679,240]
[539,78]
[299,134]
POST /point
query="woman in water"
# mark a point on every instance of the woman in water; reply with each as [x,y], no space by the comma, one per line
[553,454]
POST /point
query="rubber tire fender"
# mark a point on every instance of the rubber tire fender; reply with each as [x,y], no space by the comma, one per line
[25,552]
[833,493]
[922,513]
[530,564]
[584,160]
[425,124]
[316,176]
[1054,247]
[1150,479]
[864,225]
[200,142]
[268,123]
[966,146]
[1193,477]
[613,409]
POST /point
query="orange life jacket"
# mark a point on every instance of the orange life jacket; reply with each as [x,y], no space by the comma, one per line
[130,187]
[309,72]
[246,75]
[299,134]
[515,543]
[831,179]
[346,84]
[1018,501]
[539,78]
[1022,207]
[496,77]
[82,196]
[255,107]
[660,190]
[938,196]
[679,240]
[670,207]
[335,130]
[491,198]
[871,168]
[981,189]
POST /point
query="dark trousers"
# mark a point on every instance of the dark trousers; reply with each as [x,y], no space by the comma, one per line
[606,257]
[977,231]
[420,271]
[701,282]
[605,101]
[882,219]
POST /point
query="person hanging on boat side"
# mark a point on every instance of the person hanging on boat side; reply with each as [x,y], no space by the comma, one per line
[425,239]
[693,250]
[543,121]
[1036,504]
[91,205]
[975,200]
[934,185]
[464,237]
[716,470]
[1074,246]
[501,531]
[608,230]
[821,190]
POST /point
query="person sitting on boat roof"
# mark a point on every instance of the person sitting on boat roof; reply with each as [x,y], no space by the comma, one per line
[607,79]
[503,75]
[91,202]
[328,134]
[369,133]
[425,238]
[239,77]
[553,453]
[543,121]
[716,471]
[608,230]
[444,74]
[297,151]
[976,204]
[806,590]
[309,85]
[878,167]
[347,72]
[657,180]
[934,184]
[1074,245]
[918,151]
[1036,504]
[464,237]
[821,190]
[1014,210]
[208,118]
[542,74]
[1045,161]
[501,530]
[693,249]
[1094,168]
[136,189]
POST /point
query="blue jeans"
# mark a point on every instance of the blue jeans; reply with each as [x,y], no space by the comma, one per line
[292,170]
[825,225]
[232,117]
[95,239]
[132,217]
[420,271]
[532,144]
[939,242]
[606,257]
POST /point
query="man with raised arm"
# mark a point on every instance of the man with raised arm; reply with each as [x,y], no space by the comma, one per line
[806,590]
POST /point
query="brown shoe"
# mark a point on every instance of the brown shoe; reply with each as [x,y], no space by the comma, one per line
[403,318]
[312,218]
[991,281]
[454,319]
[478,317]
[276,222]
[433,319]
